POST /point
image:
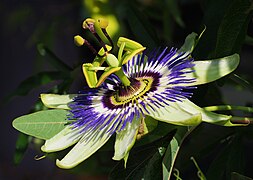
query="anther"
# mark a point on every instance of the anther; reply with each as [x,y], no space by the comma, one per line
[79,41]
[103,23]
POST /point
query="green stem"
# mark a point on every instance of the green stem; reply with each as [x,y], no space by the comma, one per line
[228,108]
[123,78]
[241,120]
[234,119]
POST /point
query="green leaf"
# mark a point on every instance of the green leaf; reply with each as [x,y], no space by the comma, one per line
[153,168]
[42,124]
[140,26]
[169,158]
[173,8]
[21,146]
[190,42]
[203,143]
[53,60]
[229,159]
[35,81]
[233,27]
[160,130]
[249,40]
[172,151]
[226,24]
[243,82]
[237,176]
[145,162]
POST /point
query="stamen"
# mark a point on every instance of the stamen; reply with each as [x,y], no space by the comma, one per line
[90,24]
[79,41]
[103,23]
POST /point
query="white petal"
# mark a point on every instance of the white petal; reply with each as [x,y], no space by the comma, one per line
[210,70]
[65,138]
[184,113]
[125,140]
[88,145]
[57,101]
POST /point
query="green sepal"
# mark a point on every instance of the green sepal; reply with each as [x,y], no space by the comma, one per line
[190,42]
[42,124]
[125,159]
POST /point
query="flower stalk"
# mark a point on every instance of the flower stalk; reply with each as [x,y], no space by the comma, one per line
[229,108]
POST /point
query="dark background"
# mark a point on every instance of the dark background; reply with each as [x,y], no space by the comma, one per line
[26,23]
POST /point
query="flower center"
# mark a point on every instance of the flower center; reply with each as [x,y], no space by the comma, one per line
[129,94]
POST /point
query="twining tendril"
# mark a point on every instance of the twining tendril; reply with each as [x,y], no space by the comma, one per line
[176,174]
[199,173]
[37,157]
